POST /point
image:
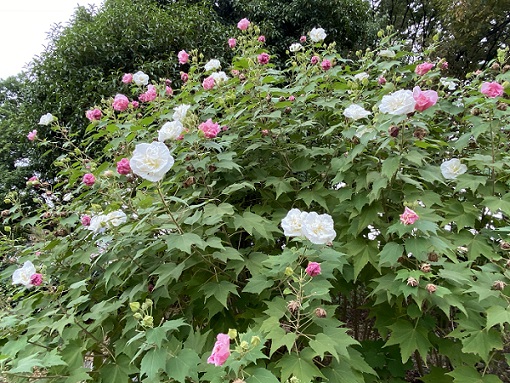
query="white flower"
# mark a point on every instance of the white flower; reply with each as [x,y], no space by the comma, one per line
[98,223]
[140,78]
[387,53]
[219,77]
[397,103]
[356,112]
[180,112]
[116,218]
[318,229]
[212,65]
[292,223]
[452,168]
[317,34]
[171,130]
[46,119]
[151,161]
[361,76]
[449,84]
[22,275]
[295,47]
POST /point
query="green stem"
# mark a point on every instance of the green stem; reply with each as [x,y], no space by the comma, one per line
[168,210]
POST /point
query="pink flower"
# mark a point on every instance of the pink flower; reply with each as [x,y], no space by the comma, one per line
[232,43]
[127,78]
[94,114]
[123,166]
[262,39]
[149,95]
[263,58]
[224,128]
[183,57]
[444,65]
[423,68]
[85,220]
[265,132]
[492,89]
[408,217]
[36,279]
[33,181]
[208,83]
[209,128]
[221,350]
[169,91]
[313,269]
[235,72]
[314,60]
[135,104]
[381,80]
[302,39]
[326,64]
[184,77]
[120,103]
[424,99]
[89,179]
[292,98]
[243,24]
[32,135]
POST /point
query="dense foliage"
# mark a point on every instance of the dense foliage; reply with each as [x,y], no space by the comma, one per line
[149,252]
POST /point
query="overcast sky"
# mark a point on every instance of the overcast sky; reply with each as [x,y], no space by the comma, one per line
[24,27]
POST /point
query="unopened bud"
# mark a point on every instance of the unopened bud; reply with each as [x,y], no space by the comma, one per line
[380,33]
[134,306]
[413,282]
[148,321]
[431,288]
[5,213]
[255,341]
[433,257]
[393,131]
[7,200]
[498,285]
[137,316]
[495,66]
[289,271]
[320,312]
[293,306]
[244,345]
[108,174]
[232,333]
[425,267]
[7,229]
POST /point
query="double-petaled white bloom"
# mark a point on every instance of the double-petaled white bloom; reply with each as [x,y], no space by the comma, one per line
[98,224]
[171,130]
[295,47]
[387,53]
[212,65]
[140,78]
[318,229]
[317,34]
[361,76]
[180,112]
[116,218]
[22,276]
[46,119]
[356,112]
[151,161]
[452,168]
[398,103]
[219,77]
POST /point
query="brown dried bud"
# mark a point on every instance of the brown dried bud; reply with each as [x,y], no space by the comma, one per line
[188,158]
[46,215]
[507,264]
[190,181]
[130,177]
[504,245]
[475,111]
[281,98]
[242,77]
[293,306]
[502,106]
[425,267]
[433,257]
[498,285]
[431,288]
[190,168]
[61,232]
[212,168]
[506,68]
[5,213]
[413,282]
[320,312]
[420,133]
[288,110]
[394,131]
[495,66]
[268,97]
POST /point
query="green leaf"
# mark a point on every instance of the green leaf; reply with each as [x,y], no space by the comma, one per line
[437,375]
[410,338]
[323,344]
[299,366]
[168,272]
[117,372]
[467,374]
[183,365]
[497,315]
[390,166]
[390,254]
[184,241]
[261,375]
[220,291]
[257,284]
[26,364]
[482,343]
[153,361]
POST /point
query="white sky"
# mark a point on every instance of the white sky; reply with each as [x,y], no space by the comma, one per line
[24,25]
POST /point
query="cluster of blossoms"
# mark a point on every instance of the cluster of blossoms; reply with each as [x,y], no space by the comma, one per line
[405,101]
[27,276]
[99,223]
[317,228]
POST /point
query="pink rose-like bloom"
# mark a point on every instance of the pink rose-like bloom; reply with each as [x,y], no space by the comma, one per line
[292,98]
[381,80]
[492,89]
[208,83]
[209,128]
[424,99]
[149,95]
[85,220]
[89,179]
[169,91]
[243,24]
[423,68]
[32,135]
[408,217]
[184,77]
[135,104]
[36,279]
[232,43]
[183,57]
[302,39]
[326,64]
[127,78]
[263,58]
[262,39]
[221,350]
[313,269]
[314,60]
[120,103]
[123,166]
[94,114]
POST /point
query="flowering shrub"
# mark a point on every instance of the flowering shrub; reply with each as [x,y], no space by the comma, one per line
[342,228]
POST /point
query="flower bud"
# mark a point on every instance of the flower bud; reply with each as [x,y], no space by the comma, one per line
[289,271]
[393,131]
[137,316]
[433,257]
[255,341]
[148,321]
[506,68]
[413,282]
[495,66]
[7,200]
[380,33]
[5,213]
[293,306]
[232,333]
[431,288]
[498,285]
[425,267]
[108,174]
[320,312]
[134,306]
[244,345]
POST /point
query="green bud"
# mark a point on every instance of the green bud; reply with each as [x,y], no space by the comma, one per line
[365,81]
[435,37]
[289,271]
[255,341]
[77,151]
[244,345]
[134,306]
[148,321]
[7,229]
[137,316]
[232,333]
[7,200]
[380,33]
[148,302]
[505,84]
